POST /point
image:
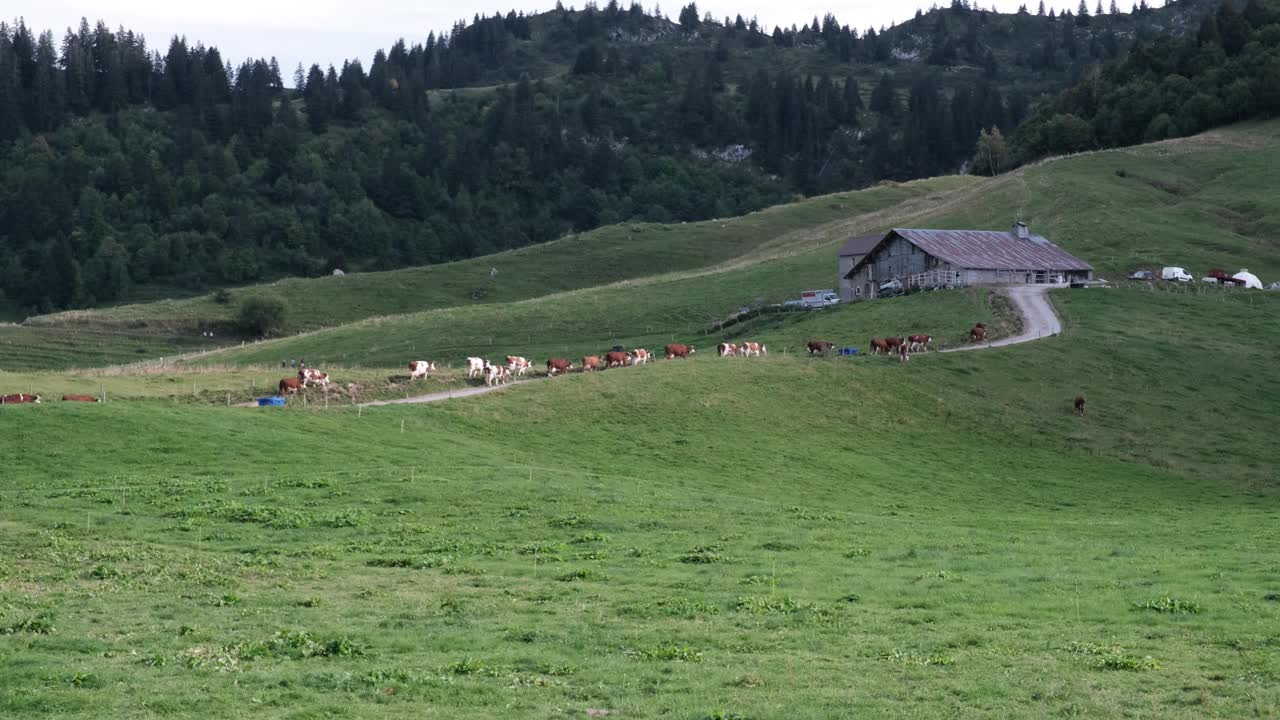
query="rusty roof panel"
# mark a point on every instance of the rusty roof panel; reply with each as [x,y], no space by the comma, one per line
[992,250]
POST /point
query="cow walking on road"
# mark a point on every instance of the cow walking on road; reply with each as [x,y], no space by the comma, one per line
[420,368]
[558,365]
[978,333]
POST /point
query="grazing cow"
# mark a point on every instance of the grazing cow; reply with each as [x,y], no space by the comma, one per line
[639,356]
[420,368]
[79,398]
[918,343]
[820,347]
[678,351]
[518,365]
[895,342]
[1080,405]
[18,399]
[616,359]
[558,365]
[752,349]
[727,349]
[592,362]
[311,376]
[879,346]
[290,386]
[978,333]
[904,353]
[475,367]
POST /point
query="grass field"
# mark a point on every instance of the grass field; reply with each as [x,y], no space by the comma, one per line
[789,537]
[713,538]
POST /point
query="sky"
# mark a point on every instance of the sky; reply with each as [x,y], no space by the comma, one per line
[330,31]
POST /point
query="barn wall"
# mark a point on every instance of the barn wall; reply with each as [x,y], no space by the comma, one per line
[846,286]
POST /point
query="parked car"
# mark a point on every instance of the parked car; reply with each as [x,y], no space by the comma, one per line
[1142,275]
[1175,273]
[1274,286]
[1210,280]
[892,288]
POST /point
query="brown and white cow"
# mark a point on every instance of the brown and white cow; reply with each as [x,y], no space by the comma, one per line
[752,349]
[879,346]
[727,349]
[290,386]
[311,376]
[895,342]
[639,356]
[18,399]
[1079,404]
[558,365]
[978,333]
[592,362]
[676,350]
[616,359]
[496,374]
[518,365]
[420,368]
[820,347]
[904,353]
[918,343]
[475,367]
[79,398]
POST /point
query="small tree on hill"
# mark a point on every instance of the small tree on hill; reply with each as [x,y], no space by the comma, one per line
[991,157]
[261,315]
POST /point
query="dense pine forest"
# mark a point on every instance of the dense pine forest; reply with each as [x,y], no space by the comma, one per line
[126,172]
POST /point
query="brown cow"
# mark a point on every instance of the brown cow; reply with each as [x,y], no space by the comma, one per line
[678,351]
[895,342]
[592,362]
[904,353]
[290,386]
[918,343]
[1080,405]
[978,333]
[879,346]
[18,399]
[616,359]
[79,398]
[822,347]
[727,349]
[558,365]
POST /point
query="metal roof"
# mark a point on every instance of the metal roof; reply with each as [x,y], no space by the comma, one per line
[860,244]
[988,250]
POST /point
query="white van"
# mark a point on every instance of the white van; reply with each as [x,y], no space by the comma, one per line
[819,298]
[1175,273]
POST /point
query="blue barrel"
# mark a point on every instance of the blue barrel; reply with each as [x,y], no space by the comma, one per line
[849,351]
[270,402]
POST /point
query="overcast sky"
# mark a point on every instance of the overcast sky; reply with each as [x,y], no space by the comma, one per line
[329,31]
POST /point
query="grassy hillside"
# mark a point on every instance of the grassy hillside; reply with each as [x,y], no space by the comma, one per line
[777,538]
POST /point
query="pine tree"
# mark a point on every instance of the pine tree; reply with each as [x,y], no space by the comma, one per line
[1115,9]
[11,124]
[1040,12]
[884,98]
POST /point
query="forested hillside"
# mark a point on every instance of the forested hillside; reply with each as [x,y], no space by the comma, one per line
[128,172]
[1227,71]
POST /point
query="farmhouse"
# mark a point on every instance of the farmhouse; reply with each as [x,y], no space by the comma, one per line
[853,250]
[954,258]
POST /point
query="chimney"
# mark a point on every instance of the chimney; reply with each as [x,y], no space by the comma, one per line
[1021,231]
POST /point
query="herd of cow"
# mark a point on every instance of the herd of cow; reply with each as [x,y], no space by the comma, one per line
[20,398]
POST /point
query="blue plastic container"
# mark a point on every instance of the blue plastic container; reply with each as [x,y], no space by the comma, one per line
[270,402]
[848,351]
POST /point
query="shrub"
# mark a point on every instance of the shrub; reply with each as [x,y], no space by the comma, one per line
[703,555]
[222,296]
[261,315]
[1166,604]
[667,653]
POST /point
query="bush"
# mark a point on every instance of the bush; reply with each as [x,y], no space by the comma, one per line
[261,315]
[222,296]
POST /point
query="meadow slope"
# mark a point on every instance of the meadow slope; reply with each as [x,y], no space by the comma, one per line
[776,538]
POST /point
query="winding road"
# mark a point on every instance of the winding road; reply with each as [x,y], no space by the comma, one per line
[1038,318]
[1032,301]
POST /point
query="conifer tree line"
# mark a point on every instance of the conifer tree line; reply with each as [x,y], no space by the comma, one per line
[126,168]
